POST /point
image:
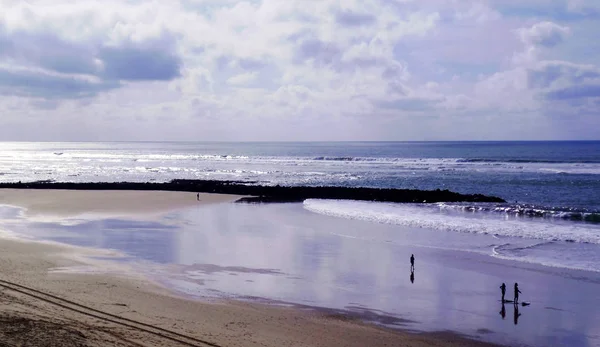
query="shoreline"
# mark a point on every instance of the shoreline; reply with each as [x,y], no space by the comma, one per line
[220,323]
[60,202]
[100,310]
[260,193]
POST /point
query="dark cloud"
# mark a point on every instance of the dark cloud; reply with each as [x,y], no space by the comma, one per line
[46,51]
[543,78]
[394,72]
[322,53]
[44,104]
[555,10]
[36,84]
[52,53]
[550,40]
[139,64]
[223,61]
[353,19]
[547,74]
[150,60]
[575,92]
[45,65]
[546,34]
[327,54]
[560,80]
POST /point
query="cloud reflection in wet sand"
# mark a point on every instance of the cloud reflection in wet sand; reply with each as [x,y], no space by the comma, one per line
[285,254]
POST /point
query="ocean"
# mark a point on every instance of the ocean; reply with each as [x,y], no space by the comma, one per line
[552,188]
[353,255]
[553,176]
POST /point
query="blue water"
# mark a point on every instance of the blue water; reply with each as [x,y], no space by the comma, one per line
[557,176]
[552,188]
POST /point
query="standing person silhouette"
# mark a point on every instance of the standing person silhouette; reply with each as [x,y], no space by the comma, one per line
[412,262]
[503,289]
[198,196]
[517,292]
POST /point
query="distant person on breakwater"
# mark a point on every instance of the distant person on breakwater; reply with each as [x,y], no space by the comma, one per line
[412,262]
[503,289]
[517,292]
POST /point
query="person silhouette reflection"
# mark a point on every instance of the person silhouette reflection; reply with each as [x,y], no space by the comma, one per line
[412,276]
[503,311]
[516,314]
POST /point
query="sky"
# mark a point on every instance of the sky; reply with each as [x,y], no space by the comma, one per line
[299,70]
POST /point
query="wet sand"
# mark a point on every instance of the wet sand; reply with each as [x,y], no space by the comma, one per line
[113,203]
[41,307]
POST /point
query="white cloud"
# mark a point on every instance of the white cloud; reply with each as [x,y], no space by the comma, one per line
[479,12]
[560,80]
[243,78]
[120,70]
[545,34]
[583,6]
[540,85]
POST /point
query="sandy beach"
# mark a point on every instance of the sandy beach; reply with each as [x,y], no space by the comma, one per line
[105,202]
[42,307]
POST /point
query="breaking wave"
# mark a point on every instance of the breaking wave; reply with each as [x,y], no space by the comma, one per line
[429,216]
[528,210]
[542,161]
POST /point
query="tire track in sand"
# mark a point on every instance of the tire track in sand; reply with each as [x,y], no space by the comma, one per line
[105,316]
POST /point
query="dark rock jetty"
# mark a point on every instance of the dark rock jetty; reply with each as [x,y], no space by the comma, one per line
[263,194]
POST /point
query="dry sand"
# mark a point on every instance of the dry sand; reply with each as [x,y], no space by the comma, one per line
[39,307]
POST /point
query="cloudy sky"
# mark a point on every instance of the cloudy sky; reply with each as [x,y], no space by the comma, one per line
[299,70]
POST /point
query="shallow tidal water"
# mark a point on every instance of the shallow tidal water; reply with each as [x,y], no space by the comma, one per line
[286,254]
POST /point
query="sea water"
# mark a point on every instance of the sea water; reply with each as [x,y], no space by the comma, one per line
[558,176]
[552,189]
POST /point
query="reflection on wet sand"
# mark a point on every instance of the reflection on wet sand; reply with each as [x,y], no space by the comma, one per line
[285,254]
[516,314]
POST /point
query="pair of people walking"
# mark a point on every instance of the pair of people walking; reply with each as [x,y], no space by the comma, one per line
[517,292]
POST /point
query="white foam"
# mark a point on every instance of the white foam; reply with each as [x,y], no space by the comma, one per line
[429,217]
[559,263]
[81,162]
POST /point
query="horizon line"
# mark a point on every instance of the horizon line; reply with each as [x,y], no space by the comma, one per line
[283,141]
